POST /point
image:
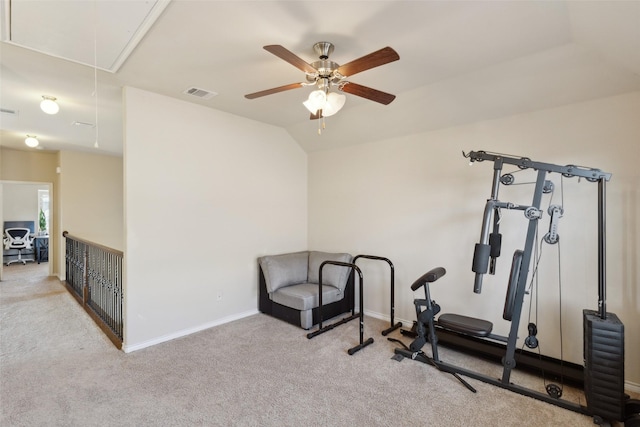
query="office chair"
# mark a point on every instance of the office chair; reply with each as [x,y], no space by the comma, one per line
[20,239]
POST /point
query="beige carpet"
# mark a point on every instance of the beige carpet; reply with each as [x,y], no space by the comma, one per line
[58,369]
[28,271]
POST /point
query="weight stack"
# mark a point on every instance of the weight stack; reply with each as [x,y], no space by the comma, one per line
[604,365]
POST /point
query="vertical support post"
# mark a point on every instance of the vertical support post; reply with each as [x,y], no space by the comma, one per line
[85,275]
[497,169]
[602,249]
[320,306]
[482,250]
[433,337]
[363,343]
[393,325]
[509,361]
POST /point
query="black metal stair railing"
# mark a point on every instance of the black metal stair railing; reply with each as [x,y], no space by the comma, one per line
[94,278]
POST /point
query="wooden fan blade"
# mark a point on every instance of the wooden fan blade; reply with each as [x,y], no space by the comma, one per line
[315,116]
[367,92]
[290,57]
[273,90]
[375,59]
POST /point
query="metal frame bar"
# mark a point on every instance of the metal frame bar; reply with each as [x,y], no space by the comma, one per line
[446,367]
[590,174]
[321,329]
[393,326]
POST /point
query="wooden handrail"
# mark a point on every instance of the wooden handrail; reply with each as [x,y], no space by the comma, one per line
[66,234]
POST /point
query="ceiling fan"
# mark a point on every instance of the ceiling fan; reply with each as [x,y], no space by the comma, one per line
[325,74]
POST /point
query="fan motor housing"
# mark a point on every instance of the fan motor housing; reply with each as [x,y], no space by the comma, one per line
[325,67]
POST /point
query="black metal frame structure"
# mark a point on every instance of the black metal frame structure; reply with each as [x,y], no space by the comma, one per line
[393,326]
[360,315]
[487,250]
[93,275]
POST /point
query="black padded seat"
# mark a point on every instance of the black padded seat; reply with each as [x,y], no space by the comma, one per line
[465,325]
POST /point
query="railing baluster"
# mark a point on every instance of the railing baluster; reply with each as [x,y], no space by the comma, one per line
[94,275]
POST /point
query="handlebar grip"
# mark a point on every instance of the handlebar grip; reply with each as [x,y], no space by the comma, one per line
[481,255]
[480,265]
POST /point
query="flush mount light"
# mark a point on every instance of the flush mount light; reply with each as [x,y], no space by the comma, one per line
[31,141]
[49,105]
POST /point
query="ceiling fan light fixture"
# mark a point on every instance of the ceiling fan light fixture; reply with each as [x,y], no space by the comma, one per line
[316,101]
[329,103]
[49,105]
[335,102]
[31,141]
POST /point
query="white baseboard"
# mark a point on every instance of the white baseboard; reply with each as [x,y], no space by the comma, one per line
[632,387]
[386,317]
[130,348]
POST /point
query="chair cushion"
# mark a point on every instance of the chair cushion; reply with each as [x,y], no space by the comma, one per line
[284,270]
[305,296]
[333,275]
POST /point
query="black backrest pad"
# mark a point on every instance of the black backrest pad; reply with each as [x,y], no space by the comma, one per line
[428,277]
[514,275]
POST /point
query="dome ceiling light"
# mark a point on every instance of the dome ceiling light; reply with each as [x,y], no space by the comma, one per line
[49,105]
[31,141]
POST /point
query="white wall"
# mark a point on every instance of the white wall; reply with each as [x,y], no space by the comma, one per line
[206,194]
[92,197]
[416,201]
[20,202]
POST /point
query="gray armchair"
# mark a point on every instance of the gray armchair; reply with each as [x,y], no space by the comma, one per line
[289,289]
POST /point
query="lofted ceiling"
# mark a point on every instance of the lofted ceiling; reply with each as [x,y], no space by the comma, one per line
[460,62]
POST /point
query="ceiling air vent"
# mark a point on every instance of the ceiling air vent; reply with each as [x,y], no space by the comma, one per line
[82,124]
[200,93]
[8,111]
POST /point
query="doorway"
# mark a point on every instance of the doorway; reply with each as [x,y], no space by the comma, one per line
[29,203]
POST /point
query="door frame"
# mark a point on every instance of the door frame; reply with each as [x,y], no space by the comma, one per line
[51,215]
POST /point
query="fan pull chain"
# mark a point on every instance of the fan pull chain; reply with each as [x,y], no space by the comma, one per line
[321,123]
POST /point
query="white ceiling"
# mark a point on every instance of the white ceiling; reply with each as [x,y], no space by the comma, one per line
[460,62]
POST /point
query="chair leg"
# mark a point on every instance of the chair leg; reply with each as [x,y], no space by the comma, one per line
[24,261]
[19,259]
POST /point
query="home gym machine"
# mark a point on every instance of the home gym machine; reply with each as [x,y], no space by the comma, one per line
[603,331]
